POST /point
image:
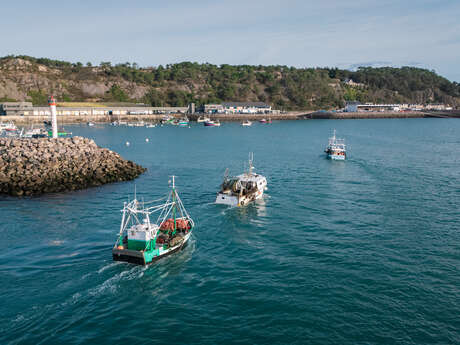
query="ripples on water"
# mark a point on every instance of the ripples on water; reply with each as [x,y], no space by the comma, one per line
[362,251]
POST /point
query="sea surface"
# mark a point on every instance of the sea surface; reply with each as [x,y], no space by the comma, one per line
[365,251]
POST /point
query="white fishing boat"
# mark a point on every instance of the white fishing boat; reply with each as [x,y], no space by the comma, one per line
[143,240]
[90,124]
[151,125]
[8,126]
[336,148]
[203,119]
[246,123]
[242,189]
[38,132]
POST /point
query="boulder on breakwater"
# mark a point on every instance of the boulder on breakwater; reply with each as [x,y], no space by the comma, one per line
[45,165]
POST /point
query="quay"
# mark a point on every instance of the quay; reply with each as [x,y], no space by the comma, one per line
[300,115]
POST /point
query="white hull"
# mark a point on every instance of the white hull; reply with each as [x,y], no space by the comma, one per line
[336,157]
[233,200]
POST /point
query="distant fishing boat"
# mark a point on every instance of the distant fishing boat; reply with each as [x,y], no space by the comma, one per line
[246,123]
[8,126]
[336,148]
[37,132]
[263,121]
[242,189]
[151,125]
[212,123]
[183,122]
[90,124]
[143,240]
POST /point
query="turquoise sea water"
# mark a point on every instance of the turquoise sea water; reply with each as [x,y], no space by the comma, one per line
[365,251]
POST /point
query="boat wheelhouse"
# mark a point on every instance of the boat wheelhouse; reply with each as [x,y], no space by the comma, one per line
[336,149]
[242,189]
[143,239]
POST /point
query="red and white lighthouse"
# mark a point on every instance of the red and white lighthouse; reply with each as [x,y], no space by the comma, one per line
[52,104]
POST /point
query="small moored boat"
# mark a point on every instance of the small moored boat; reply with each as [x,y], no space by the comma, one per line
[203,119]
[246,123]
[183,122]
[336,148]
[143,240]
[212,123]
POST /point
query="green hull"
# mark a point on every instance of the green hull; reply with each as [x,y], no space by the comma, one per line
[143,253]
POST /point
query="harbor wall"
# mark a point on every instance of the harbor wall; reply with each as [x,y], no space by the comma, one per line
[365,115]
[45,165]
[301,115]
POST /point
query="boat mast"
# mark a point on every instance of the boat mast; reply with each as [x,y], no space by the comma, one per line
[174,203]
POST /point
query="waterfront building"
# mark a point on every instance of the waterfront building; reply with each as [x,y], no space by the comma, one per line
[26,108]
[212,108]
[15,108]
[246,108]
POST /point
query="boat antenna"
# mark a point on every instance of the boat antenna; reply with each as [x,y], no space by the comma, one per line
[251,158]
[134,191]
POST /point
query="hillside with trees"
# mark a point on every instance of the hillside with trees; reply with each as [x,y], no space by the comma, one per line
[286,88]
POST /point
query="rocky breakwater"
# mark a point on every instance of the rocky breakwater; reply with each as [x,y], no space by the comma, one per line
[36,166]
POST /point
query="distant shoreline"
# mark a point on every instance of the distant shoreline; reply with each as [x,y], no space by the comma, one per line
[306,115]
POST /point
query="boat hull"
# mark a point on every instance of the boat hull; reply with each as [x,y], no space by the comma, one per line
[336,157]
[146,258]
[232,200]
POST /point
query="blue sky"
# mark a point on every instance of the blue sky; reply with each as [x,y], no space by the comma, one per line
[346,34]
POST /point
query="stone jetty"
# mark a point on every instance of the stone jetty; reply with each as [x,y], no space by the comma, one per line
[45,165]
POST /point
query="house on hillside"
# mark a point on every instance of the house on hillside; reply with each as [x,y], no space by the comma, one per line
[352,83]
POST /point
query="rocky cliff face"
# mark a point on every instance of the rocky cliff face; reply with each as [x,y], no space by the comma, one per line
[36,166]
[283,87]
[20,78]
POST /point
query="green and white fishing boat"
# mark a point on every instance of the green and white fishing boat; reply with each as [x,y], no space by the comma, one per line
[143,240]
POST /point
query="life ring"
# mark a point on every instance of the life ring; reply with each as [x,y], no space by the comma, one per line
[242,203]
